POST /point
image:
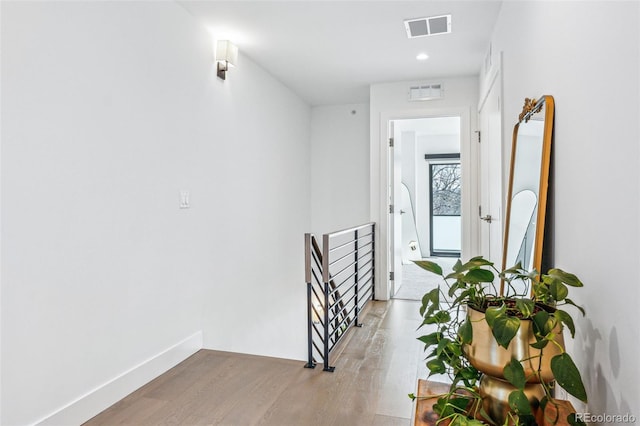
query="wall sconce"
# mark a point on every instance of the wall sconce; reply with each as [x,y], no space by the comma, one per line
[226,55]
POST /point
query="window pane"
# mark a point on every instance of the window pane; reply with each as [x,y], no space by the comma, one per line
[446,189]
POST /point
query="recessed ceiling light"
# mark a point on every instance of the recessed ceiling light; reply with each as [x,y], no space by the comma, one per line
[422,57]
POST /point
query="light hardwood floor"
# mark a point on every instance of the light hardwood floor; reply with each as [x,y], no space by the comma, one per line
[375,371]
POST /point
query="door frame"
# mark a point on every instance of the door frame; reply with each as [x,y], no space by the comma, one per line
[469,192]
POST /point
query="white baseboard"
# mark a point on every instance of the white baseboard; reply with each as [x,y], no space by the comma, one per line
[102,397]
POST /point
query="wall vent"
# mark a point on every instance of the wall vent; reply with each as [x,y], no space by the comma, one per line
[426,92]
[420,27]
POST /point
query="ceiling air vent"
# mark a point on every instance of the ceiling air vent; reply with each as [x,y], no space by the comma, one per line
[426,92]
[421,27]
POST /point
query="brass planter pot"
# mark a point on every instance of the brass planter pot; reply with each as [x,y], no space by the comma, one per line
[495,396]
[488,357]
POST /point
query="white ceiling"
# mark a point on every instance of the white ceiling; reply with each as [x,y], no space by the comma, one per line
[329,52]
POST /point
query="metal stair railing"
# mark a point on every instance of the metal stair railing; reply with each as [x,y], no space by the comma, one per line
[340,282]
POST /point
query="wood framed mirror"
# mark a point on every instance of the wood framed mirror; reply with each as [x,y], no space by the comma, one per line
[528,186]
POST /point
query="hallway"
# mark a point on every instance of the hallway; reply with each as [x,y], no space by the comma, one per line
[377,368]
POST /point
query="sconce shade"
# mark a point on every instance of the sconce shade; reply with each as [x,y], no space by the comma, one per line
[226,54]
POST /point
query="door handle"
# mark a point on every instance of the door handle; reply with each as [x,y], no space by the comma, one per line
[402,212]
[486,218]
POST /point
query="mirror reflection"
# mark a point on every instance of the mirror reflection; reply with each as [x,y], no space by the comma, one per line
[528,181]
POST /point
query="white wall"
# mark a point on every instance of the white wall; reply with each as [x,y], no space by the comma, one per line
[389,101]
[339,167]
[556,48]
[109,109]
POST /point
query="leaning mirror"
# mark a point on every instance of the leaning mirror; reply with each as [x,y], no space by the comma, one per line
[528,182]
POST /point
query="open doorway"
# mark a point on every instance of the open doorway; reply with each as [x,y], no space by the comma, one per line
[426,192]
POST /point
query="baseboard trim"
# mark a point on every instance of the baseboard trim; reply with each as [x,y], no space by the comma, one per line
[102,397]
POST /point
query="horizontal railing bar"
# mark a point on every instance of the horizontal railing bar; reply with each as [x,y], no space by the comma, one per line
[352,241]
[366,290]
[343,294]
[317,349]
[318,281]
[350,254]
[355,228]
[362,283]
[343,270]
[369,253]
[360,268]
[339,338]
[363,275]
[318,297]
[353,263]
[348,319]
[315,311]
[348,303]
[319,333]
[339,286]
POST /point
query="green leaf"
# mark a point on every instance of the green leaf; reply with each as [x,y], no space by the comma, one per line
[473,263]
[457,266]
[571,302]
[515,269]
[430,302]
[438,318]
[458,404]
[519,403]
[466,332]
[412,396]
[429,266]
[442,344]
[567,375]
[514,373]
[479,276]
[541,323]
[493,312]
[565,277]
[525,306]
[558,290]
[465,295]
[566,319]
[469,373]
[430,339]
[436,366]
[455,287]
[540,344]
[504,329]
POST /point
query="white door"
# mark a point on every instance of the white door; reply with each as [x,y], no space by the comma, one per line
[490,168]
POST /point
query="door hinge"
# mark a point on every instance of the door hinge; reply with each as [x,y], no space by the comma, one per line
[391,276]
[390,208]
[391,142]
[479,136]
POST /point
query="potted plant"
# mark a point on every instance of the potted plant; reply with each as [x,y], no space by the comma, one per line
[502,351]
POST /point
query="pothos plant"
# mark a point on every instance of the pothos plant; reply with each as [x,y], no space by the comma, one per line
[541,300]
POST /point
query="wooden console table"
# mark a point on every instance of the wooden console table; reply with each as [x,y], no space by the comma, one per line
[425,416]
